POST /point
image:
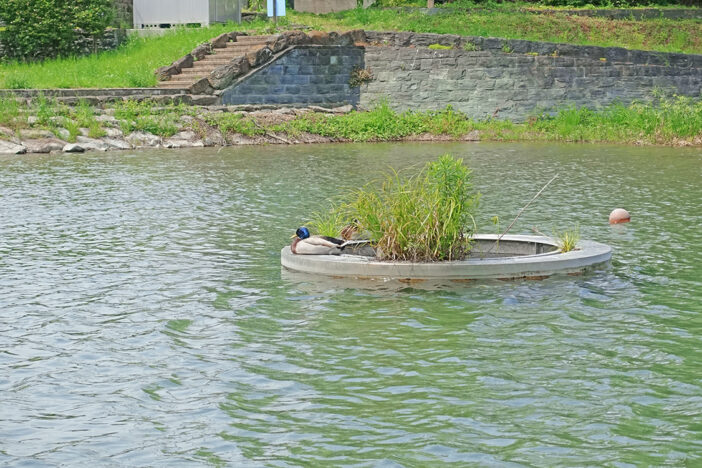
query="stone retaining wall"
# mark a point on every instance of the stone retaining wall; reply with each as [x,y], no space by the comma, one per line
[101,96]
[482,77]
[514,79]
[304,75]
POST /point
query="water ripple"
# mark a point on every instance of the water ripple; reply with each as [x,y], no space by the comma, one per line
[147,322]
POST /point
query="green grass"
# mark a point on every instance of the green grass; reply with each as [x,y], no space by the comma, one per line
[146,117]
[567,240]
[655,34]
[553,4]
[133,64]
[228,123]
[380,124]
[439,47]
[669,120]
[666,121]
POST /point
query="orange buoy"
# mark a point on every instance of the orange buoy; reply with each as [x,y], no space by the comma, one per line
[619,215]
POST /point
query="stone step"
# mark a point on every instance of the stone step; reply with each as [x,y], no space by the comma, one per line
[213,61]
[205,66]
[233,46]
[242,39]
[227,56]
[202,68]
[196,72]
[175,84]
[191,77]
[233,53]
[237,45]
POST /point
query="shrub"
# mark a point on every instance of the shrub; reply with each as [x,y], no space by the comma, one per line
[37,29]
[425,217]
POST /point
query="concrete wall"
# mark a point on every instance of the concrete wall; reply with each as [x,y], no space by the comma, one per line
[324,6]
[305,75]
[514,79]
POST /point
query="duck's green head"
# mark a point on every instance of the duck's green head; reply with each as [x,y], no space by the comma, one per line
[302,232]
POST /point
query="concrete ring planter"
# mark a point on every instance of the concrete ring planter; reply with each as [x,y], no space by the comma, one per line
[516,257]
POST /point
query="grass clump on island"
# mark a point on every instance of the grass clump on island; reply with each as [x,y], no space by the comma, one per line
[428,216]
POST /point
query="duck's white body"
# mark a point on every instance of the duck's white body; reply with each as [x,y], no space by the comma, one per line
[317,245]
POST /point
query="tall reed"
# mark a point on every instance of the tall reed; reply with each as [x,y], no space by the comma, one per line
[428,216]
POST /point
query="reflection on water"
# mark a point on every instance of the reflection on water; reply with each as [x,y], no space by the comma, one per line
[147,322]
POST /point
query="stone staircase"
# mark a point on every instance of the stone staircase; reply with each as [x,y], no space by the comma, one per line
[202,68]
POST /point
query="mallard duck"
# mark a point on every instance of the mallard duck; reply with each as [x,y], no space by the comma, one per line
[305,244]
[352,232]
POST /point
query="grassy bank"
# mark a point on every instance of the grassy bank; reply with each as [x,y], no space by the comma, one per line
[130,66]
[668,121]
[134,63]
[658,35]
[674,121]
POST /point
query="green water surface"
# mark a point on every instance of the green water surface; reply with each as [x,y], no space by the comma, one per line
[146,320]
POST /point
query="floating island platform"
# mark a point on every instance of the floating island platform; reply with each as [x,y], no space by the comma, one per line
[516,256]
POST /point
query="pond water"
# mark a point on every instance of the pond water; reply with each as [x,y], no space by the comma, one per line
[146,320]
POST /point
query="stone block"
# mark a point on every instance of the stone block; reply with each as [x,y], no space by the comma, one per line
[220,42]
[276,68]
[224,75]
[201,51]
[184,62]
[260,57]
[278,44]
[296,38]
[272,79]
[201,86]
[165,73]
[234,34]
[319,38]
[352,37]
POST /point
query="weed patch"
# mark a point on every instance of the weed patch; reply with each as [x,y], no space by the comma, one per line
[440,47]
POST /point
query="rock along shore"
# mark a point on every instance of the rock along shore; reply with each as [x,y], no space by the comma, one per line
[193,132]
